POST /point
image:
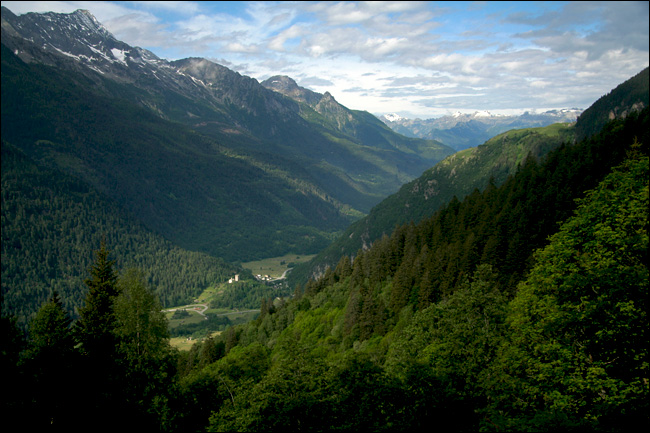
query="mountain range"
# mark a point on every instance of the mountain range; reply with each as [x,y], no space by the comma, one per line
[464,130]
[242,171]
[194,161]
[473,169]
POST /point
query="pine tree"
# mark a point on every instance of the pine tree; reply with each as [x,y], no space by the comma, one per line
[358,276]
[211,350]
[344,267]
[402,282]
[96,318]
[50,362]
[95,331]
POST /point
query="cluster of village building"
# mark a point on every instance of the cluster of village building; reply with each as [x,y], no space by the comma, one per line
[258,276]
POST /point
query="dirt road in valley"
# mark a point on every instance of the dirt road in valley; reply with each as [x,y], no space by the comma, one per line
[201,309]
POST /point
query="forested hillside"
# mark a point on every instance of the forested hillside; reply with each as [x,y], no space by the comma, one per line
[631,95]
[504,290]
[187,187]
[460,174]
[52,223]
[456,176]
[99,148]
[518,308]
[522,307]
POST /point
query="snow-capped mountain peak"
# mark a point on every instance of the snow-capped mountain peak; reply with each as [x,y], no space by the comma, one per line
[79,37]
[462,130]
[85,19]
[392,117]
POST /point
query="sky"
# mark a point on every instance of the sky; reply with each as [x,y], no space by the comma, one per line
[415,59]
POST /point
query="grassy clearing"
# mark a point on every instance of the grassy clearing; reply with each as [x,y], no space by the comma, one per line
[207,295]
[193,317]
[275,266]
[184,343]
[235,317]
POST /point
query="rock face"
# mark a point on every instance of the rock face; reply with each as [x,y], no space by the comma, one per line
[78,41]
[322,103]
[77,36]
[288,87]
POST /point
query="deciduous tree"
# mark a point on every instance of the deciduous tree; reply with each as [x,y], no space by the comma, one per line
[144,353]
[578,348]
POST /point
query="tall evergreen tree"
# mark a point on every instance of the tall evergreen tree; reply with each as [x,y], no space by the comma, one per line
[50,362]
[344,267]
[95,331]
[96,318]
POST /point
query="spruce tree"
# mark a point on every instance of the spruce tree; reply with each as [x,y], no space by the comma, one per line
[95,331]
[50,362]
[344,267]
[96,318]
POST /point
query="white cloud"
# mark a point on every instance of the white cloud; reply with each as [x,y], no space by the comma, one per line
[295,31]
[180,7]
[418,57]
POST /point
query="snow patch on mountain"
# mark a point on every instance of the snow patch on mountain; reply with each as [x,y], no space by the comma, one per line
[120,55]
[462,130]
[67,54]
[482,114]
[392,117]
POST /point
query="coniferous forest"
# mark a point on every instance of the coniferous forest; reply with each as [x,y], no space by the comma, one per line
[505,289]
[522,307]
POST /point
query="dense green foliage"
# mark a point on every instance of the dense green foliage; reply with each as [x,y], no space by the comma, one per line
[456,176]
[247,294]
[522,307]
[519,305]
[200,329]
[579,355]
[441,323]
[50,223]
[46,367]
[112,364]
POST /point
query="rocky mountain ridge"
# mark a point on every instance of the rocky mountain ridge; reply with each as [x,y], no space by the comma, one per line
[261,156]
[474,169]
[464,130]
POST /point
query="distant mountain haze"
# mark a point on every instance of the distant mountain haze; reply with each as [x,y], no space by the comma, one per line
[475,168]
[464,130]
[302,171]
